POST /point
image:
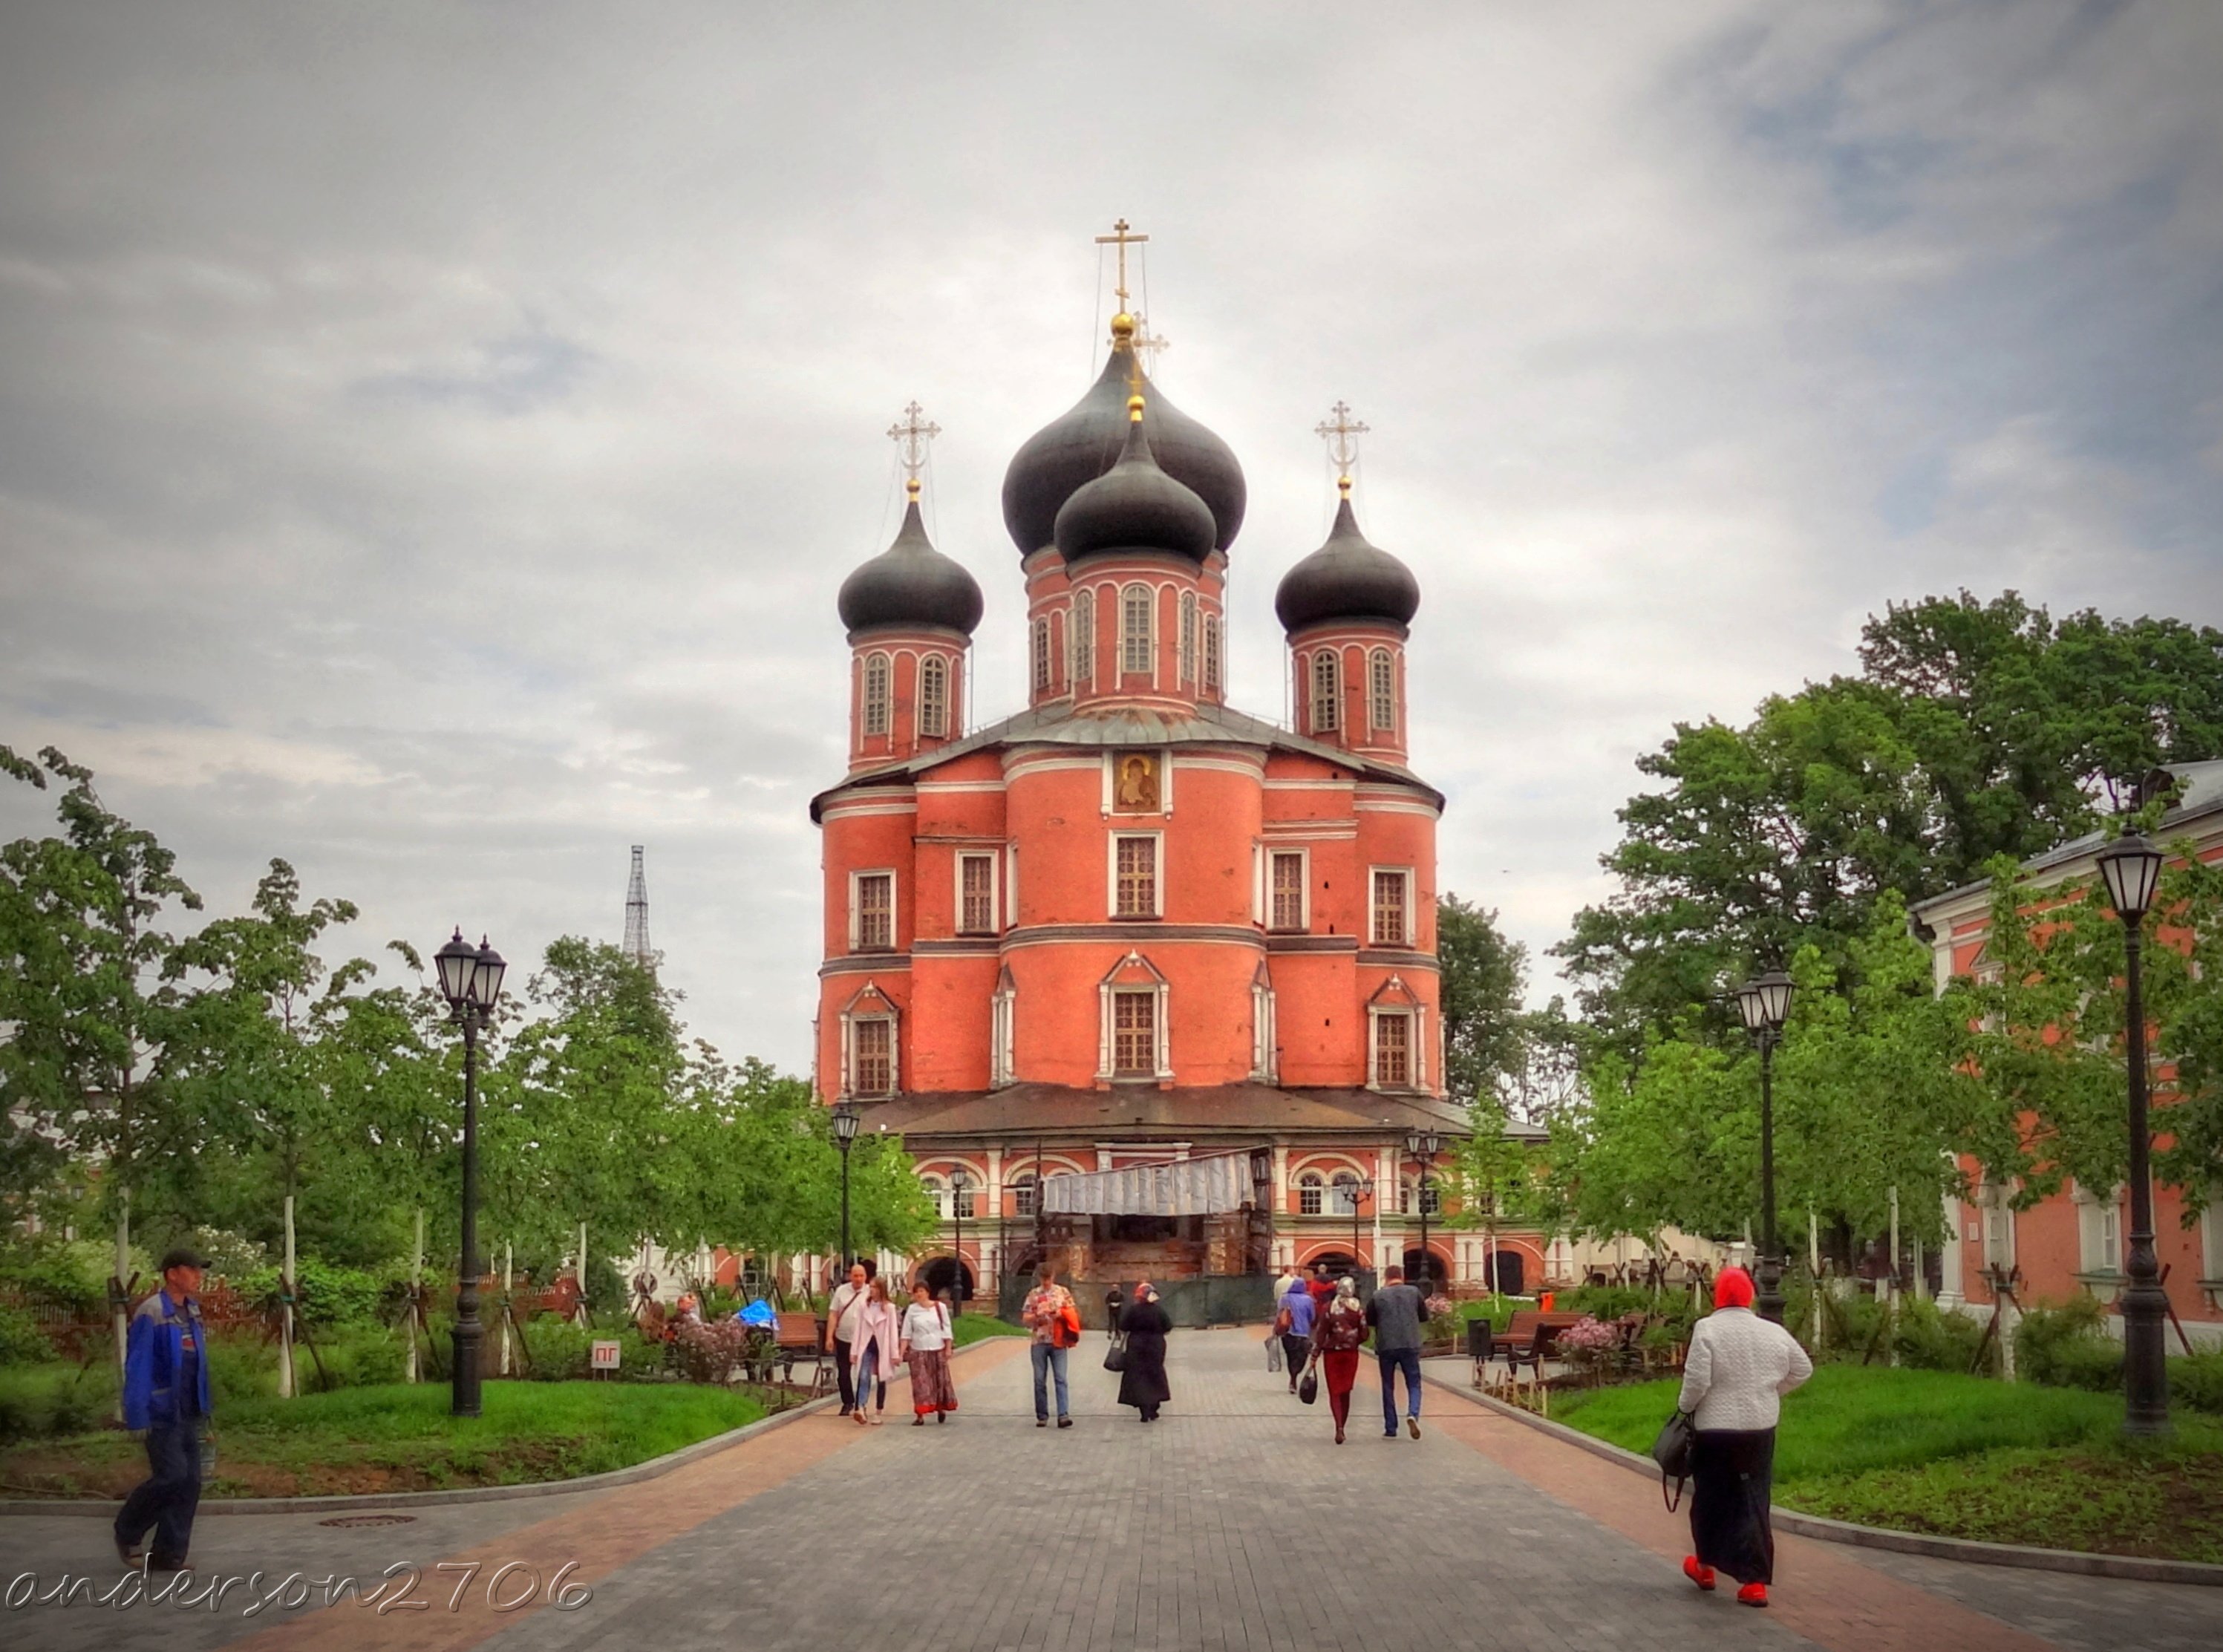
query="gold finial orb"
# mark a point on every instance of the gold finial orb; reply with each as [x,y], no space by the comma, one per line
[1123,326]
[1343,485]
[1134,410]
[910,487]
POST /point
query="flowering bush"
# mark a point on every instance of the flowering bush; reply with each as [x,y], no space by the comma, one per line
[1589,1338]
[711,1353]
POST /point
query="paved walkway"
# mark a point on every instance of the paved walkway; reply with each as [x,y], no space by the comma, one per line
[1234,1522]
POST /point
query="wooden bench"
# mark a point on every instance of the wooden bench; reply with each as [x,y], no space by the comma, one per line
[1528,1337]
[797,1340]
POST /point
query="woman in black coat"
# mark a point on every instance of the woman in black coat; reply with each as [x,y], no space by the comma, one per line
[1144,1325]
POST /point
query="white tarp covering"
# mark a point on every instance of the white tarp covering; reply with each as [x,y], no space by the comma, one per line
[1189,1186]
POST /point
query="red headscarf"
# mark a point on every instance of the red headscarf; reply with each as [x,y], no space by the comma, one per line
[1732,1289]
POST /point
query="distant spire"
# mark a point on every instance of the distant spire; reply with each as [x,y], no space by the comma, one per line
[636,929]
[912,437]
[1341,433]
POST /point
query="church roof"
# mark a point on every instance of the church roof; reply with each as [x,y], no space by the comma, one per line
[1129,1109]
[1349,577]
[1135,505]
[1125,726]
[910,584]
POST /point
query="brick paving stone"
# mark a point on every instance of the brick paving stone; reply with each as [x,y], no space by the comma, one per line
[1233,1523]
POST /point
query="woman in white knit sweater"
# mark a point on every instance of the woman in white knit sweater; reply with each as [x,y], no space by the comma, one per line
[1740,1367]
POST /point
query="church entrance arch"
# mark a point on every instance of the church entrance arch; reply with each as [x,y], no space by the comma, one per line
[947,1275]
[1436,1272]
[1512,1273]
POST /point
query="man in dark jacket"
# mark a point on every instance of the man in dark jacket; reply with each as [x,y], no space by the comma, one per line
[1396,1314]
[166,1396]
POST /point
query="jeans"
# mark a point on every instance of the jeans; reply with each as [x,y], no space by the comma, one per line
[841,1374]
[1393,1360]
[1046,1360]
[165,1501]
[868,1362]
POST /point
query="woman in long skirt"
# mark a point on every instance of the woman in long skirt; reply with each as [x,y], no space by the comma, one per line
[1740,1367]
[1144,1324]
[1337,1333]
[923,1342]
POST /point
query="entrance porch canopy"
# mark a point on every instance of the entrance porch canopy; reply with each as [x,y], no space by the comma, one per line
[1190,1186]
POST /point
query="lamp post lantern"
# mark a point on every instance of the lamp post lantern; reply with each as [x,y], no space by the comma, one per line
[1765,1004]
[1362,1188]
[2131,867]
[960,1185]
[1423,1146]
[845,1132]
[471,979]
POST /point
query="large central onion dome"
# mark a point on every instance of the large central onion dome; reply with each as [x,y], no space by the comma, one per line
[909,585]
[1347,578]
[1063,455]
[1135,505]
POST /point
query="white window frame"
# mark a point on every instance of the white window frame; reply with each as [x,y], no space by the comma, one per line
[1188,638]
[1215,656]
[1996,1223]
[1324,668]
[1042,668]
[1264,1067]
[1415,1068]
[1080,642]
[851,1062]
[1304,854]
[2210,1236]
[1410,940]
[1023,1186]
[1106,1037]
[1312,1194]
[2099,1231]
[857,908]
[1156,997]
[1002,1016]
[1142,644]
[877,712]
[1381,692]
[934,677]
[1111,876]
[995,907]
[1343,1194]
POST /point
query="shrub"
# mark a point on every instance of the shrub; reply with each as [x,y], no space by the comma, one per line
[711,1353]
[2065,1345]
[326,1295]
[1930,1339]
[1605,1302]
[69,1273]
[21,1343]
[2196,1380]
[243,1365]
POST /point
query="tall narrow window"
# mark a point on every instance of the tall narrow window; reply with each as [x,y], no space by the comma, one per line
[1342,1194]
[1135,629]
[1212,667]
[1022,1194]
[1135,1034]
[1135,877]
[1288,911]
[1042,656]
[934,696]
[1381,692]
[1189,637]
[976,878]
[1310,1195]
[876,694]
[876,912]
[1084,638]
[1392,922]
[1393,1049]
[874,1062]
[1327,692]
[1000,1035]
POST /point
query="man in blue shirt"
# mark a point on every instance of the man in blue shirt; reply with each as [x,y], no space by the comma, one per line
[166,1396]
[1295,1322]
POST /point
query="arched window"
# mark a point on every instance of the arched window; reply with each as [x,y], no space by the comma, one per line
[1135,629]
[1084,637]
[1381,692]
[1189,637]
[1311,1194]
[876,694]
[1212,667]
[1041,655]
[1343,1191]
[1327,692]
[1022,1194]
[938,1190]
[934,696]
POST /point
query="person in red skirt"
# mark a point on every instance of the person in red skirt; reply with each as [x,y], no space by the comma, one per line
[1337,1333]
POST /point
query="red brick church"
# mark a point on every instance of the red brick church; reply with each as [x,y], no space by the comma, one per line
[1130,928]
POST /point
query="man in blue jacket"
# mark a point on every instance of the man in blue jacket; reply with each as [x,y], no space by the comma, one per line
[166,1395]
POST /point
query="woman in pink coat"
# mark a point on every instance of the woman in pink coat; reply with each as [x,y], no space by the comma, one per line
[874,1351]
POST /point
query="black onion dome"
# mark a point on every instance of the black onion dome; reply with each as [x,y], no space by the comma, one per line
[1347,578]
[1061,456]
[910,583]
[1135,505]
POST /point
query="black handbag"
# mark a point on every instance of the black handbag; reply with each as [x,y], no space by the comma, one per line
[1115,1357]
[1308,1384]
[1672,1451]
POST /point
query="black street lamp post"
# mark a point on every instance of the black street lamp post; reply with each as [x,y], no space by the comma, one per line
[845,1132]
[471,979]
[1262,1195]
[1425,1145]
[1765,1003]
[1359,1189]
[2132,867]
[960,1185]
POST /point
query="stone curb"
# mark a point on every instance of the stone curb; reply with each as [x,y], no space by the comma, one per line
[654,1468]
[2128,1566]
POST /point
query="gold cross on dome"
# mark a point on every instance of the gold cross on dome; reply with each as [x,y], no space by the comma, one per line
[1120,238]
[1341,433]
[911,437]
[1149,345]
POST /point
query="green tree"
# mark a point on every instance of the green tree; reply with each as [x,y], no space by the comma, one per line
[1480,983]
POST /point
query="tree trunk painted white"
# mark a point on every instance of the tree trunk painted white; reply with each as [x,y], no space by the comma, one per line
[286,1286]
[122,1310]
[409,1323]
[507,1276]
[583,1273]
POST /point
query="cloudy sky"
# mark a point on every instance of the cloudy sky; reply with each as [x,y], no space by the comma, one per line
[430,438]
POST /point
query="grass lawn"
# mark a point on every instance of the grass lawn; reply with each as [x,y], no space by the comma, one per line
[976,1328]
[1968,1457]
[398,1438]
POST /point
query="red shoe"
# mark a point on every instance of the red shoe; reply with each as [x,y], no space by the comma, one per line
[1752,1594]
[1701,1575]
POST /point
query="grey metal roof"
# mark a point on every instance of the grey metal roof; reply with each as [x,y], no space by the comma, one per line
[1347,578]
[1130,726]
[910,584]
